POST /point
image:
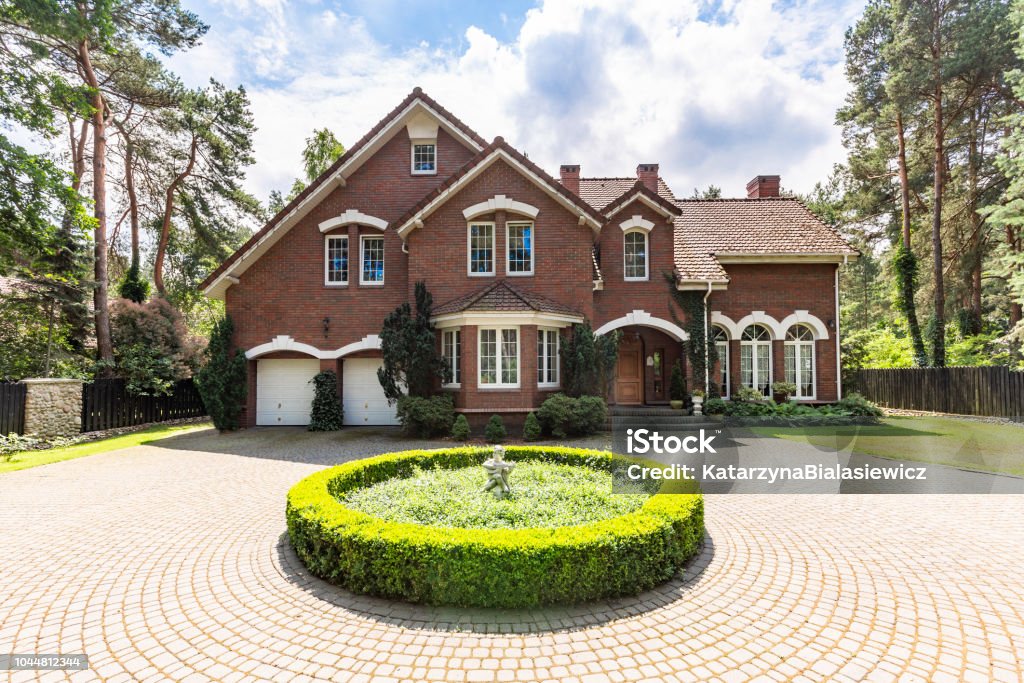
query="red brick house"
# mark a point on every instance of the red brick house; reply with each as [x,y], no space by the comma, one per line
[514,257]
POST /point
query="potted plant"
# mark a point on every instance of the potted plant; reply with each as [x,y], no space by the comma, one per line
[676,388]
[781,391]
[697,396]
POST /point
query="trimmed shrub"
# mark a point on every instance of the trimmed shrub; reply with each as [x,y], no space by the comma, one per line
[588,415]
[715,406]
[531,428]
[506,568]
[426,417]
[326,415]
[784,389]
[495,430]
[855,404]
[563,416]
[460,430]
[555,415]
[747,394]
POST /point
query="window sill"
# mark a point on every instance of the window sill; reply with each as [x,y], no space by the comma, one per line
[549,387]
[451,386]
[415,173]
[636,279]
[498,388]
[335,285]
[371,284]
[511,274]
[480,274]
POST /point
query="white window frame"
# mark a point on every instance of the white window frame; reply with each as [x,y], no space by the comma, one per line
[469,248]
[412,156]
[542,357]
[647,256]
[498,358]
[508,252]
[754,368]
[723,358]
[362,260]
[454,361]
[327,261]
[797,371]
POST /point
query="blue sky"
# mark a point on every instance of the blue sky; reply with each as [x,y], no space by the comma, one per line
[716,92]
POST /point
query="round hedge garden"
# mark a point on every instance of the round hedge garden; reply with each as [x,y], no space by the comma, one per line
[505,567]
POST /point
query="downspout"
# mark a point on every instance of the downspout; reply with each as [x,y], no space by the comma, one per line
[839,361]
[707,370]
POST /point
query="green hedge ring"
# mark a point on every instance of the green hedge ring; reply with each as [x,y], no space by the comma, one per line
[508,568]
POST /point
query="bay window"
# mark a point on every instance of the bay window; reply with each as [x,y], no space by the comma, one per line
[451,351]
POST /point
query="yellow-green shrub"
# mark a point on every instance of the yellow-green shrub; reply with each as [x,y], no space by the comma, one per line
[487,567]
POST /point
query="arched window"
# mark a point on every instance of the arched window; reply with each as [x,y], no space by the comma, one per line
[634,253]
[756,359]
[722,348]
[800,360]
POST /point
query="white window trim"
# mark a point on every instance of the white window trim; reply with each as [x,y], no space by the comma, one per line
[455,360]
[647,256]
[814,367]
[753,361]
[533,249]
[348,265]
[412,155]
[497,359]
[362,258]
[469,248]
[558,359]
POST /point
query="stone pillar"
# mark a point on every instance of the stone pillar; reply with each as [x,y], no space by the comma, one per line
[53,407]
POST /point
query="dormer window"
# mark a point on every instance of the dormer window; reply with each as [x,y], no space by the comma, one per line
[424,157]
[635,255]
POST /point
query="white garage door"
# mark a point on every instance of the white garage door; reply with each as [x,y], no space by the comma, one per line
[284,395]
[362,395]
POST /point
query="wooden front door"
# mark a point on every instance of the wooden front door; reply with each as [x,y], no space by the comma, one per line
[629,372]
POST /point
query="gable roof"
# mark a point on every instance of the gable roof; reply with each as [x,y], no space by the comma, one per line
[600,192]
[641,192]
[502,297]
[498,150]
[415,102]
[710,232]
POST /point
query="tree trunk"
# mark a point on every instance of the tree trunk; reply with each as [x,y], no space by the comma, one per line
[133,201]
[976,224]
[104,343]
[1014,243]
[907,286]
[938,330]
[165,226]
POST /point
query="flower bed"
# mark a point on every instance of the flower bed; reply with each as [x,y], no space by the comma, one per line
[488,567]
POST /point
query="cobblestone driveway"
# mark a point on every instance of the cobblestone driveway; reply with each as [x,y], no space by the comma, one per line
[168,562]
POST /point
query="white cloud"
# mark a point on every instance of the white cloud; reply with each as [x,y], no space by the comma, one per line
[714,99]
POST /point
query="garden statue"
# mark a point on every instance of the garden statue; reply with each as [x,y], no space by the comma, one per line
[497,473]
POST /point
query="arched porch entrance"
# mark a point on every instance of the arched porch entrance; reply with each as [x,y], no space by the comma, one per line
[649,349]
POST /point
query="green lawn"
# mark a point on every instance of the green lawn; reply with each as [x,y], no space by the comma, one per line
[940,440]
[26,459]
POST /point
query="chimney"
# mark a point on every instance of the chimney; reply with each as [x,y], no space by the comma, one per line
[570,175]
[648,175]
[763,186]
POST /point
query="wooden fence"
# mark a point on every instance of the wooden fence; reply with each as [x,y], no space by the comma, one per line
[12,408]
[106,404]
[993,391]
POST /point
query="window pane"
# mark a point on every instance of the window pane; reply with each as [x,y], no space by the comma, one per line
[337,259]
[723,367]
[373,259]
[452,353]
[481,248]
[635,255]
[509,357]
[423,157]
[457,370]
[520,248]
[552,367]
[806,370]
[488,357]
[540,356]
[791,363]
[764,368]
[747,366]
